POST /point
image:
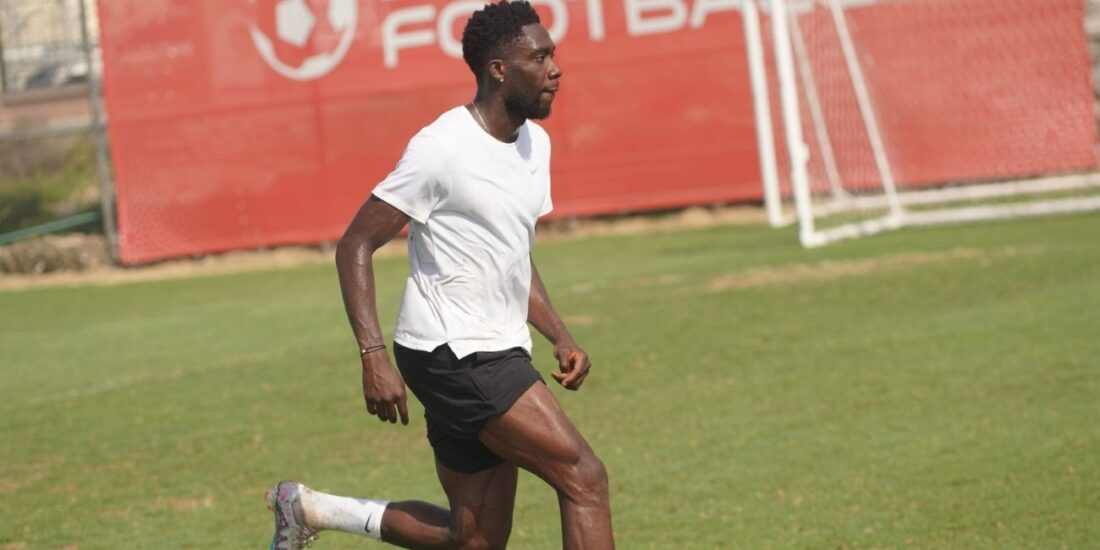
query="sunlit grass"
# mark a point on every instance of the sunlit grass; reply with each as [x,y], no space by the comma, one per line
[927,388]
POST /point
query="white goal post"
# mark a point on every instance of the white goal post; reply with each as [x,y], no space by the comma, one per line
[920,112]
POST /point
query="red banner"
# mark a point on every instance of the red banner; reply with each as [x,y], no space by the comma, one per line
[250,123]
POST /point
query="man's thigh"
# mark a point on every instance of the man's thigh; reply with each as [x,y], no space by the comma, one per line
[536,435]
[481,503]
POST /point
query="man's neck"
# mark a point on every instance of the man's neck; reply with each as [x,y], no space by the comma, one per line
[495,118]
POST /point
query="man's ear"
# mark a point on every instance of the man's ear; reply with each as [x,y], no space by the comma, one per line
[496,70]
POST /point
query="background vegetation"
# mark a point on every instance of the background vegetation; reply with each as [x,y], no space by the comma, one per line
[44,179]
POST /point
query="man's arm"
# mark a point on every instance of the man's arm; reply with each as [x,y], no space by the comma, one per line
[374,225]
[572,360]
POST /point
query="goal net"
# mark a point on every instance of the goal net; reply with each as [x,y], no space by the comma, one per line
[878,114]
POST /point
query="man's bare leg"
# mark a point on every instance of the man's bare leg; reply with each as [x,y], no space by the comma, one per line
[536,435]
[480,515]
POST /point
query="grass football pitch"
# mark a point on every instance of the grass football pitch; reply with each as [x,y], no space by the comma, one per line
[935,388]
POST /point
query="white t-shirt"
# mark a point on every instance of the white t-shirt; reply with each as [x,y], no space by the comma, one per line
[474,202]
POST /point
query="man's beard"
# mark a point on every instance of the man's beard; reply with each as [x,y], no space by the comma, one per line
[526,108]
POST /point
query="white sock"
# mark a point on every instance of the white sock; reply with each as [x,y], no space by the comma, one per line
[350,515]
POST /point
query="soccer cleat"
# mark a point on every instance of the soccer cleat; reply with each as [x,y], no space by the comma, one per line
[291,531]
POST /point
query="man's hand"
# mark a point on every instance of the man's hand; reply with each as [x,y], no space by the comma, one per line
[383,388]
[574,365]
[572,360]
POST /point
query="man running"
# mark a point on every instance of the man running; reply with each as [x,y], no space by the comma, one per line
[471,185]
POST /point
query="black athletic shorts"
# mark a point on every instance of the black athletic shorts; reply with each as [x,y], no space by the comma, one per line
[459,395]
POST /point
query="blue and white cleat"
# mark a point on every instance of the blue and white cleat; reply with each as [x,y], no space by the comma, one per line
[291,531]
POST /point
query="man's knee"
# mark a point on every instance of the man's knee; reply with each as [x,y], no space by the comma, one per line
[466,534]
[586,482]
[475,540]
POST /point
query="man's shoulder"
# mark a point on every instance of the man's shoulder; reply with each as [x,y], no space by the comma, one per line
[437,141]
[447,127]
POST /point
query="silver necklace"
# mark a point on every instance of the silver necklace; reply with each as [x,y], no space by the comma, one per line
[485,126]
[478,111]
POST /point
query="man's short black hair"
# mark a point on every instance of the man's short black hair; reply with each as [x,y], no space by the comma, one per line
[492,29]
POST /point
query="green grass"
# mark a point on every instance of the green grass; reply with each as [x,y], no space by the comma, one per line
[933,388]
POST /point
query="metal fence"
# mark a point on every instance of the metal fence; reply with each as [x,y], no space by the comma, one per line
[52,125]
[43,43]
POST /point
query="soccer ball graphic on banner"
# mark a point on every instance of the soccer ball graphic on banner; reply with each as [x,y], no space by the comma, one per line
[303,39]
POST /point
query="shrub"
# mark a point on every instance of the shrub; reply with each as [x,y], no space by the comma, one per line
[42,180]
